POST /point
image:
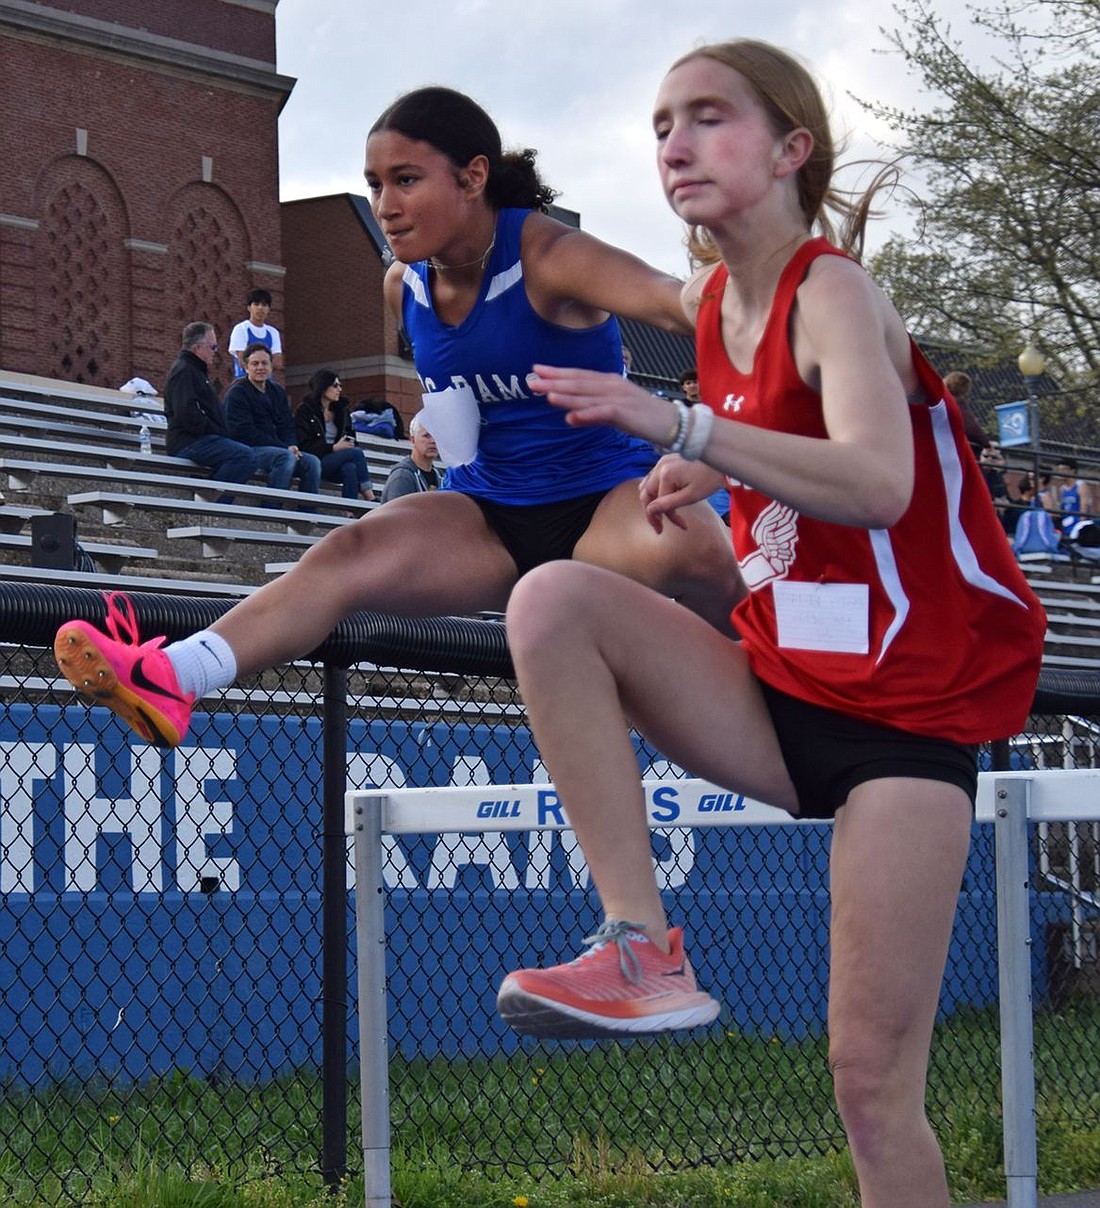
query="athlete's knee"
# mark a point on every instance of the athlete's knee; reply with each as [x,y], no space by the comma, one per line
[701,553]
[342,548]
[870,1083]
[543,601]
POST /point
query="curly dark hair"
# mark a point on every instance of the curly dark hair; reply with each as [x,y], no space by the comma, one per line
[457,126]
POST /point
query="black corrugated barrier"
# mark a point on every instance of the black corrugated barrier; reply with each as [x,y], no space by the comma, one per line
[32,613]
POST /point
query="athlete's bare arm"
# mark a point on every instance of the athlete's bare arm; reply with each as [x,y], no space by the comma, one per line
[576,280]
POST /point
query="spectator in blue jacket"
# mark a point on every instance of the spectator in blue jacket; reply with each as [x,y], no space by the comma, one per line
[259,415]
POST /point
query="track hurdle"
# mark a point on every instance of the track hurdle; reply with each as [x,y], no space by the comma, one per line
[1009,801]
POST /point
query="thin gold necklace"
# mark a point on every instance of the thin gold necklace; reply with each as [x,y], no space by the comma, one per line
[481,260]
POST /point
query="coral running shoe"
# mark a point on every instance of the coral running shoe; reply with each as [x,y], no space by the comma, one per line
[132,678]
[622,986]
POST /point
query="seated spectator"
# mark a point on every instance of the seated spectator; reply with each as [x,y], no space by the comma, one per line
[992,462]
[197,427]
[1035,534]
[1021,496]
[324,429]
[1071,498]
[375,417]
[1016,481]
[416,472]
[259,416]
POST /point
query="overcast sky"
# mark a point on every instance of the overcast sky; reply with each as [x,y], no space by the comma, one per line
[575,79]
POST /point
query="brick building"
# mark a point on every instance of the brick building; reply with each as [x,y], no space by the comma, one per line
[336,318]
[139,189]
[138,180]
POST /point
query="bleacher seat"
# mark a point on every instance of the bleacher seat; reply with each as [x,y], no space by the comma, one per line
[69,447]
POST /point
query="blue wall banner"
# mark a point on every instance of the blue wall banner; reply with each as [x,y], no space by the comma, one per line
[147,897]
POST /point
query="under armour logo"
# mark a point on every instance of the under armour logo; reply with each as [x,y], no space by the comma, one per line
[733,403]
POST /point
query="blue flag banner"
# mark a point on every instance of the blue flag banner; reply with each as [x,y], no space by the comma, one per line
[1014,423]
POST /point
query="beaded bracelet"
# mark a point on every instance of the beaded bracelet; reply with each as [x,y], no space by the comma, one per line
[676,437]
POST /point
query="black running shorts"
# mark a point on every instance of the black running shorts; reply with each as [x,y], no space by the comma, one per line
[540,532]
[828,754]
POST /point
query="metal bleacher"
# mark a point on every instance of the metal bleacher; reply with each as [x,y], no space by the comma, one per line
[75,449]
[1072,605]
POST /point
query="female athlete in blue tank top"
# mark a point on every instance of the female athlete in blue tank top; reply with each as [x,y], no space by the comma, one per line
[485,285]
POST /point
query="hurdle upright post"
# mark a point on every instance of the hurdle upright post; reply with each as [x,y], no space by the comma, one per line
[1012,797]
[370,900]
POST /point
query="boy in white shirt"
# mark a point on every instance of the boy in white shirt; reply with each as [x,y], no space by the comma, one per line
[255,330]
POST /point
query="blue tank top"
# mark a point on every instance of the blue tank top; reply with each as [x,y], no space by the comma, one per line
[254,337]
[526,452]
[1071,504]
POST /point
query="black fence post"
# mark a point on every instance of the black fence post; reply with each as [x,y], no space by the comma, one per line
[334,923]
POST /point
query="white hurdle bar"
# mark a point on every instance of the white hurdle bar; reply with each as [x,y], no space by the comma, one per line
[1010,801]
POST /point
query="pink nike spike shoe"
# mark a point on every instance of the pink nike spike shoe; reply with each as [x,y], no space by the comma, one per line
[132,678]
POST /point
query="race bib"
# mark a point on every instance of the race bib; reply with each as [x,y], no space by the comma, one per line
[453,418]
[833,617]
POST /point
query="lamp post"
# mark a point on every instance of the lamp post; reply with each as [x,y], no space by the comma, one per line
[1032,363]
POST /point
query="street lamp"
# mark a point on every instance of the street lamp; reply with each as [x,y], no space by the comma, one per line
[1032,363]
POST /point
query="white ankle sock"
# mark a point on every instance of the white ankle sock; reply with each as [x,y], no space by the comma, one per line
[203,663]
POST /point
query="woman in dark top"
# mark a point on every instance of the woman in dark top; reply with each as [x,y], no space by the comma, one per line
[324,429]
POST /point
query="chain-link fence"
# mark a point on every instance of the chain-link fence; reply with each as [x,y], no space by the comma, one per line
[176,934]
[748,1093]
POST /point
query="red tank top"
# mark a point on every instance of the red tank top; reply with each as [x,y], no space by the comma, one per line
[928,626]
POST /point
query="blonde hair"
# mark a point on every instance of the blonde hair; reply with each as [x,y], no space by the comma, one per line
[792,100]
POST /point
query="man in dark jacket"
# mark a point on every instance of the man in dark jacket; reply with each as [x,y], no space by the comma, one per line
[259,415]
[197,427]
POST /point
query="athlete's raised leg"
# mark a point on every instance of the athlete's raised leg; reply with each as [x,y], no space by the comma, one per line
[591,648]
[428,554]
[424,554]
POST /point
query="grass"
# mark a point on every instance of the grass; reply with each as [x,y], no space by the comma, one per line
[730,1122]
